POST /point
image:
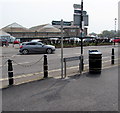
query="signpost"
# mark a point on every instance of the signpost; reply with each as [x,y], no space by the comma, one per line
[71,59]
[65,23]
[61,48]
[81,29]
[77,6]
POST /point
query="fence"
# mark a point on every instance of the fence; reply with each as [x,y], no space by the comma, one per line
[10,69]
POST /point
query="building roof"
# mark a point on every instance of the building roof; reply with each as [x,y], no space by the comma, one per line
[14,27]
[45,28]
[37,28]
[2,33]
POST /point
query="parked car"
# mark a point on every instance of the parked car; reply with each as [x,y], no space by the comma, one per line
[111,40]
[36,47]
[4,42]
[87,40]
[16,42]
[36,40]
[117,40]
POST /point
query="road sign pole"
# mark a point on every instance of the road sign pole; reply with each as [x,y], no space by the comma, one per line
[81,33]
[62,48]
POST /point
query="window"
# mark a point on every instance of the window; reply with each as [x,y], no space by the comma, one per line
[72,30]
[31,44]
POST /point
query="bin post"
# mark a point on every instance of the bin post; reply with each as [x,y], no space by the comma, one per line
[10,72]
[112,57]
[65,68]
[81,64]
[45,67]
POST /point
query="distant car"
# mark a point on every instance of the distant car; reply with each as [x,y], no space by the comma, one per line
[4,42]
[36,40]
[16,42]
[36,47]
[87,40]
[117,40]
[75,39]
[111,40]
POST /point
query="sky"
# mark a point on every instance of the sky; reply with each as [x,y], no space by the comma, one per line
[29,13]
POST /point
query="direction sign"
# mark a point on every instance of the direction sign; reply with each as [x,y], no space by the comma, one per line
[65,23]
[77,6]
[71,58]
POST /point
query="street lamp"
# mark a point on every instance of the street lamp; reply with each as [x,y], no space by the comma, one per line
[115,29]
[115,24]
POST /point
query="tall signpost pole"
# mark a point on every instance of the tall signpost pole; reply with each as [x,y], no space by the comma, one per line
[61,48]
[81,34]
[115,24]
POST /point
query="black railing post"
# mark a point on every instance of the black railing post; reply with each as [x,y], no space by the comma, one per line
[45,67]
[112,57]
[10,72]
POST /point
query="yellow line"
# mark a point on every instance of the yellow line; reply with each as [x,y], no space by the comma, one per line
[28,75]
[28,81]
[55,76]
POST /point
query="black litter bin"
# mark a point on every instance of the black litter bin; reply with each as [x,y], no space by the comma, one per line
[95,62]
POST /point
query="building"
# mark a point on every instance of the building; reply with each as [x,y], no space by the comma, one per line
[37,32]
[47,31]
[8,37]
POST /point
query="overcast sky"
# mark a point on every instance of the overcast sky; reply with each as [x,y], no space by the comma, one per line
[29,13]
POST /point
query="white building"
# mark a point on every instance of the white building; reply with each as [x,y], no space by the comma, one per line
[8,37]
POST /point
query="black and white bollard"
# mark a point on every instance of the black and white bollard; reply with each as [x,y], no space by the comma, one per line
[10,72]
[45,67]
[112,57]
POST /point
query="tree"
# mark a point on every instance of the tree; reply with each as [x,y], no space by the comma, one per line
[93,34]
[109,34]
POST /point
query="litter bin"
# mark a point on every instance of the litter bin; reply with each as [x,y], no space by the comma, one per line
[95,61]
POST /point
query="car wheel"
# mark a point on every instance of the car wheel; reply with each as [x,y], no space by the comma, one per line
[25,51]
[49,51]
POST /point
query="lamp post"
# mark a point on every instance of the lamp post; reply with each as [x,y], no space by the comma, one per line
[115,28]
[115,24]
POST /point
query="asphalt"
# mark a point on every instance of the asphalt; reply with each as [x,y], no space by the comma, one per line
[86,92]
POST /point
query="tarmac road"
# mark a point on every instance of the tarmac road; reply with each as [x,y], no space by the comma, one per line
[26,64]
[88,92]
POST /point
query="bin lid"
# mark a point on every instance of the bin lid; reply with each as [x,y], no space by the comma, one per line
[93,50]
[95,53]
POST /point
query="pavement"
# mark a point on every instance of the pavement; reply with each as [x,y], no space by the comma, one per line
[86,92]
